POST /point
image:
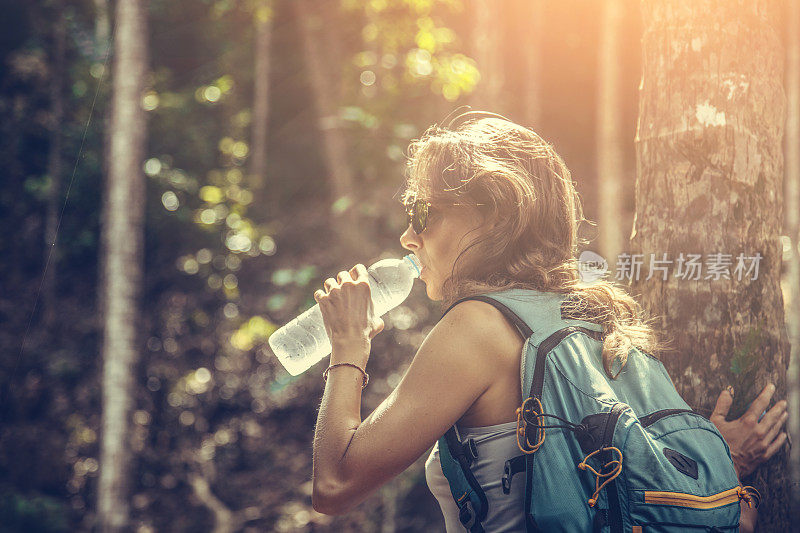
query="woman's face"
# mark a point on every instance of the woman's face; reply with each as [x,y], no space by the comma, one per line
[437,248]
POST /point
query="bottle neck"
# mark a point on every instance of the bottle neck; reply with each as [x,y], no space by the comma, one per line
[414,262]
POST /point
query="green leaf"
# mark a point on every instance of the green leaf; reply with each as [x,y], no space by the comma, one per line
[282,277]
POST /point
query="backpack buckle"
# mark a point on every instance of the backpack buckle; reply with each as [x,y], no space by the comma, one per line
[470,450]
[512,466]
[466,515]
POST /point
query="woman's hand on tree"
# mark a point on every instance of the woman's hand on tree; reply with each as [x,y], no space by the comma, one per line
[752,441]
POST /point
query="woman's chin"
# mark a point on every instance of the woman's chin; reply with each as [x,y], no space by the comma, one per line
[432,293]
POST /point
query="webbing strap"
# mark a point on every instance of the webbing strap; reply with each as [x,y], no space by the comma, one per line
[467,492]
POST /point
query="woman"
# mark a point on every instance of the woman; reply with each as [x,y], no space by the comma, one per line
[502,212]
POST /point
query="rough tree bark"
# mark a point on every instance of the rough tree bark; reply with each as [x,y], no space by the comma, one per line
[710,167]
[54,164]
[610,151]
[123,234]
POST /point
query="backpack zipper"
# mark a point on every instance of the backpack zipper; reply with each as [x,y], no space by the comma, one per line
[652,418]
[681,499]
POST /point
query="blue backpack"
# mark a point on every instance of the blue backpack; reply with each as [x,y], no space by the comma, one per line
[599,454]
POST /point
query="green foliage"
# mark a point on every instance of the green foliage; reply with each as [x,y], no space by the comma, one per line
[21,513]
[744,366]
[226,262]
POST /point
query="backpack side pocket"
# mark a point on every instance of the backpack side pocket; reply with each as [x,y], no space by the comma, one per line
[679,474]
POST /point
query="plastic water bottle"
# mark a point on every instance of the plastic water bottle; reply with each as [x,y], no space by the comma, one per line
[303,342]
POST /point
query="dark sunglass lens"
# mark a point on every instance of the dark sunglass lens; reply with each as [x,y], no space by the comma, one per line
[420,216]
[417,215]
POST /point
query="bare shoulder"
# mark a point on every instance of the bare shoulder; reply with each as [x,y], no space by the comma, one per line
[484,325]
[492,346]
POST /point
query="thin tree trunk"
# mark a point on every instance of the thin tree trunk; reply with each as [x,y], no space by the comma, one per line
[102,53]
[124,235]
[610,167]
[54,165]
[102,28]
[532,51]
[225,520]
[711,116]
[486,41]
[258,163]
[792,188]
[325,95]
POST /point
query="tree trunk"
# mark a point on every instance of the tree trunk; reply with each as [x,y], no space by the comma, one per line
[532,51]
[263,35]
[103,53]
[54,166]
[486,42]
[316,41]
[123,230]
[102,28]
[709,160]
[610,153]
[792,188]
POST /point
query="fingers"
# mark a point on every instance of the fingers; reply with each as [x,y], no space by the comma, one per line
[772,432]
[775,446]
[774,415]
[723,404]
[359,272]
[343,277]
[377,327]
[760,404]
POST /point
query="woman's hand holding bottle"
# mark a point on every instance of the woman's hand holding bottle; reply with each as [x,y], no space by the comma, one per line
[349,314]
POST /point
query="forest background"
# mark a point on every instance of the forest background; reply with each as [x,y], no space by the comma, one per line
[274,150]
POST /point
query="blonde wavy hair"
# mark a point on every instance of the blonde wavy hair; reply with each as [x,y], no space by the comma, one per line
[532,211]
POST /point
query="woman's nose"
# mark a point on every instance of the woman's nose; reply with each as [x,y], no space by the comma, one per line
[409,239]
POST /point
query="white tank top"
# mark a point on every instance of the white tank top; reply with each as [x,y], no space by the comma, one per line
[495,445]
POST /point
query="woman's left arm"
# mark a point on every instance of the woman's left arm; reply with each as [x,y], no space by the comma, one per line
[450,371]
[339,415]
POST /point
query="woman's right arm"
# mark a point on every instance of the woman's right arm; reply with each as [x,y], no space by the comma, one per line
[751,441]
[751,438]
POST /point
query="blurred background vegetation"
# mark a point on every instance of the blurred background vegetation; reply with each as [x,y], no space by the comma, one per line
[235,248]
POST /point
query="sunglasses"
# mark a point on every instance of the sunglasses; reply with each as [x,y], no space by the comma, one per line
[417,215]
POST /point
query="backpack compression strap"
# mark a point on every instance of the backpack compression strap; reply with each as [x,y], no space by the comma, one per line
[456,458]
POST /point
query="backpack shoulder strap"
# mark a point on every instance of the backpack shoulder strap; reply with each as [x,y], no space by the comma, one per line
[523,328]
[537,316]
[456,456]
[470,498]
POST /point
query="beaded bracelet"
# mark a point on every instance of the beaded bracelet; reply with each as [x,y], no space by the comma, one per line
[366,376]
